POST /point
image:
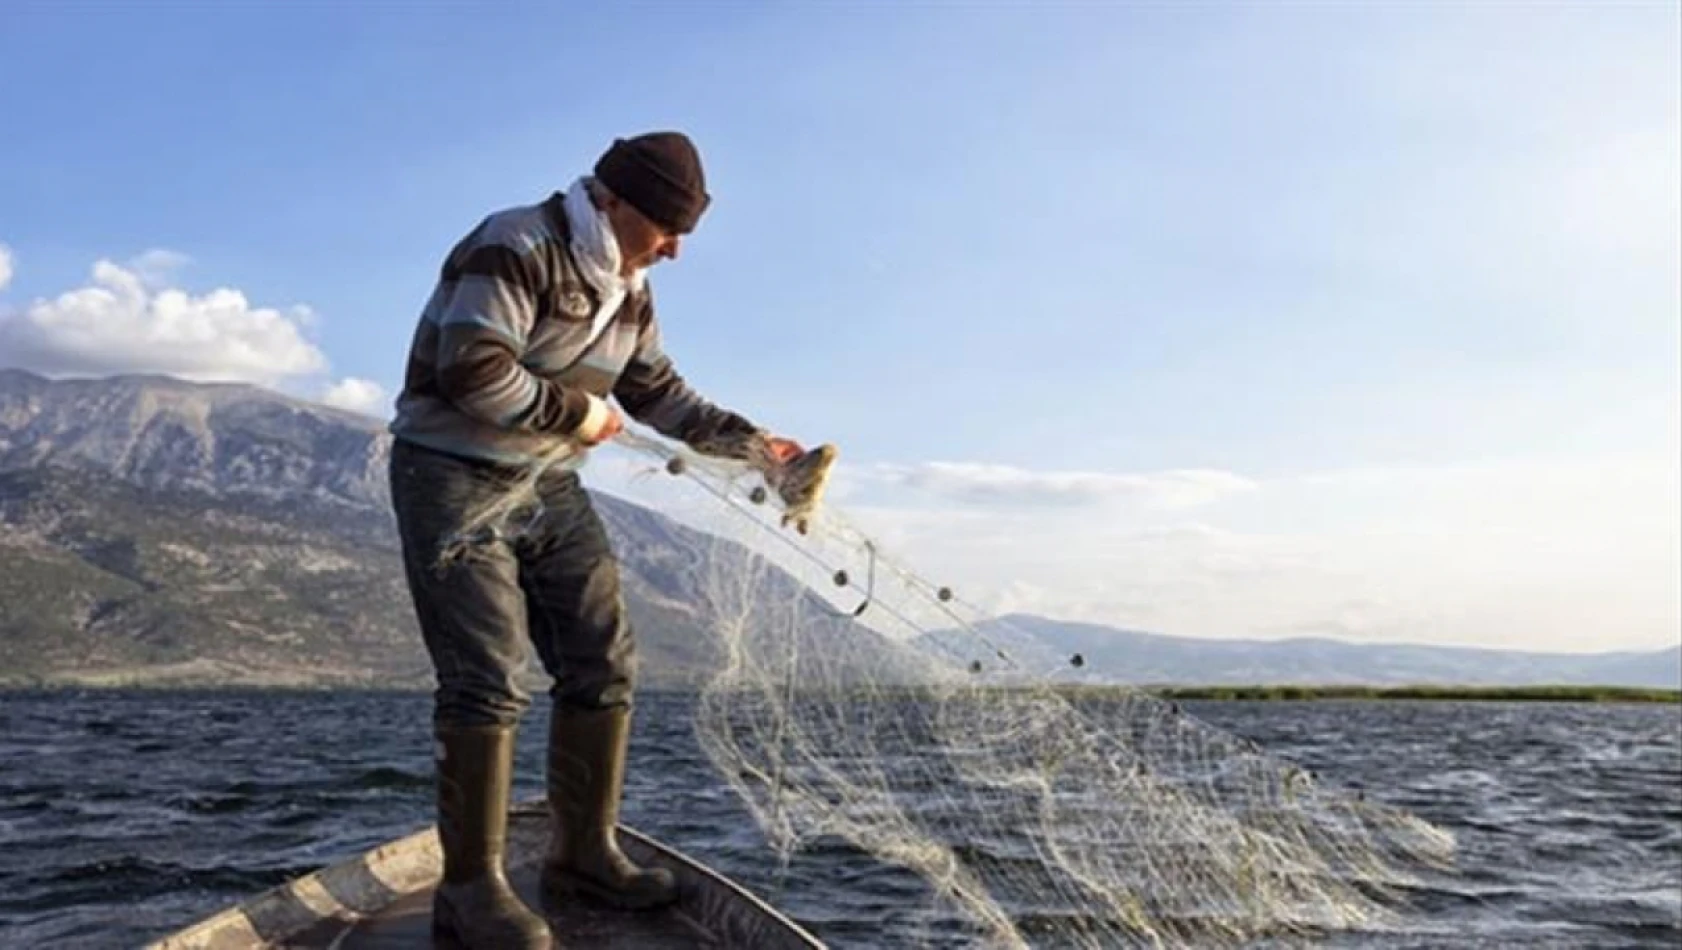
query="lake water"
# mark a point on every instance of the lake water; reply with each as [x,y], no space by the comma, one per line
[126,815]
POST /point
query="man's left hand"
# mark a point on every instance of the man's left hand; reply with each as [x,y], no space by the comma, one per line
[783,450]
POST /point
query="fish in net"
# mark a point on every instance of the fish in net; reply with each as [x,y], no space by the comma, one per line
[852,700]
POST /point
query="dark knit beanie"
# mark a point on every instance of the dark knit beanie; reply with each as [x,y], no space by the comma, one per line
[659,174]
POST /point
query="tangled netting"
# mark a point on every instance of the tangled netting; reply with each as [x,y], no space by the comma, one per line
[854,700]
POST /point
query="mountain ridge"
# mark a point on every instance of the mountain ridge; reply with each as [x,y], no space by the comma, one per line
[1116,655]
[159,530]
[163,530]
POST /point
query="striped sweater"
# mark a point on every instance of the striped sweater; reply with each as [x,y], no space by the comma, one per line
[501,360]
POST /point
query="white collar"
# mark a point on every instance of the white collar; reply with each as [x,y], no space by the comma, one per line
[594,244]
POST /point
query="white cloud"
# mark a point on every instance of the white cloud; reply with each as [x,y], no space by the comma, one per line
[971,483]
[5,266]
[356,395]
[158,266]
[127,319]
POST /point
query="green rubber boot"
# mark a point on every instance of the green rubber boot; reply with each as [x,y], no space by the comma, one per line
[586,778]
[474,907]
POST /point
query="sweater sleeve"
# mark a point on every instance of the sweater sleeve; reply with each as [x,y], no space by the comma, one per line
[654,393]
[484,321]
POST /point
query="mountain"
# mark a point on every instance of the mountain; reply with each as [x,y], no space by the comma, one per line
[1113,655]
[156,530]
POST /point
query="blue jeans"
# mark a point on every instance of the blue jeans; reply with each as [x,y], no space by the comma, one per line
[555,585]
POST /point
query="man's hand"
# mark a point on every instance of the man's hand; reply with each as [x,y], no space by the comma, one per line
[799,479]
[601,423]
[783,451]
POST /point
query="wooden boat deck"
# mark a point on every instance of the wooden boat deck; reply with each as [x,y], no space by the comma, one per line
[383,901]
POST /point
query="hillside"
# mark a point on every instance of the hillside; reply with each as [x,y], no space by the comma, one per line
[163,531]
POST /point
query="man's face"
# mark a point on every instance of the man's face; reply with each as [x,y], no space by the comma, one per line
[642,243]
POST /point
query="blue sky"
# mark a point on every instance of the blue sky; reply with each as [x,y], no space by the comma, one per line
[1394,287]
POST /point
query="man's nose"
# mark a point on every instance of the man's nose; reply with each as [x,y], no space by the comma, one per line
[671,249]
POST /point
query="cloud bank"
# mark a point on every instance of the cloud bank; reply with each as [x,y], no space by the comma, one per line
[132,318]
[1578,555]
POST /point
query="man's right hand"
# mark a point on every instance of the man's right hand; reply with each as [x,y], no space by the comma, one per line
[601,423]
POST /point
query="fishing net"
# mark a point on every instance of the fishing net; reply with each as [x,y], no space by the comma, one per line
[856,702]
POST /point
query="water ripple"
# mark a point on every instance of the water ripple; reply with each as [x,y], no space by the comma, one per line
[125,815]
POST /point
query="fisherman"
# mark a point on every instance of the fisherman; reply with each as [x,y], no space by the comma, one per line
[542,319]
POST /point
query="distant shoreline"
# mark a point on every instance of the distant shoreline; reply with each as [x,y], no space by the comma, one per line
[1511,694]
